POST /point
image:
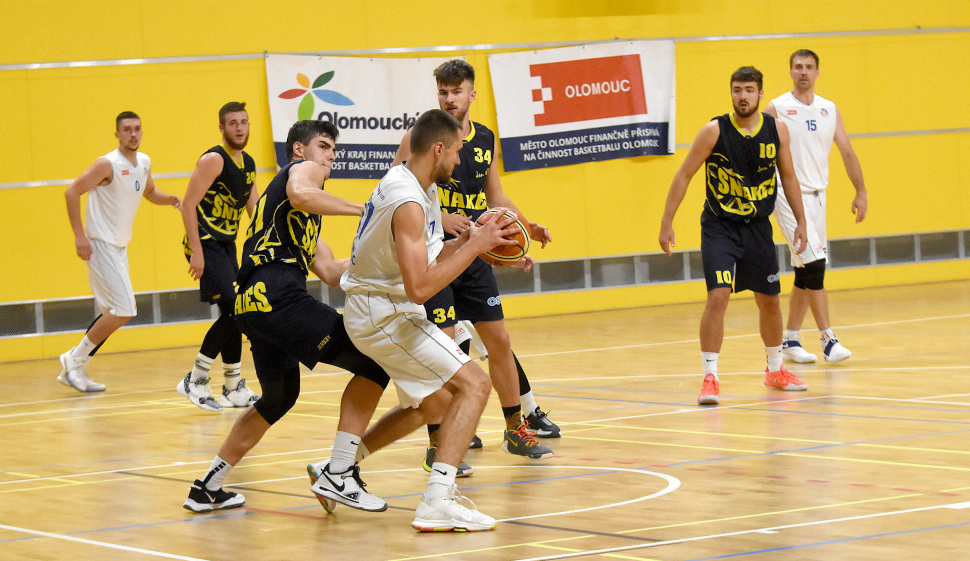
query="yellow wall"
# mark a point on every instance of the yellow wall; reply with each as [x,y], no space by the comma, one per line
[57,121]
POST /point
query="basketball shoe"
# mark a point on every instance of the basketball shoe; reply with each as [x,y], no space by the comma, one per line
[446,514]
[346,488]
[242,396]
[541,426]
[476,443]
[198,392]
[313,470]
[73,374]
[792,349]
[710,391]
[833,350]
[464,470]
[203,500]
[784,380]
[521,443]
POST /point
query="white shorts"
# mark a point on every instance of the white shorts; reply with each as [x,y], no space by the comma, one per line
[396,333]
[814,206]
[110,281]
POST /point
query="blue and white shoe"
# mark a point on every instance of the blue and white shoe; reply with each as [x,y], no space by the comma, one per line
[834,351]
[791,349]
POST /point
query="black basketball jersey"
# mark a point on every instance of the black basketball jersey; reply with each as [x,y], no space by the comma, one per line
[465,194]
[740,172]
[279,233]
[225,201]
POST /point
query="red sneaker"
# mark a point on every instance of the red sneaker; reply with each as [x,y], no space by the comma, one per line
[784,380]
[710,391]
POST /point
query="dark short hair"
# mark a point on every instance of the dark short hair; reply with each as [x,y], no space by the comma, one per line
[305,131]
[125,115]
[432,127]
[231,107]
[748,74]
[454,72]
[802,52]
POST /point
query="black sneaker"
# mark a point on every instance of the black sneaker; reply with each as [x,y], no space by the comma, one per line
[203,500]
[521,443]
[541,426]
[476,443]
[464,470]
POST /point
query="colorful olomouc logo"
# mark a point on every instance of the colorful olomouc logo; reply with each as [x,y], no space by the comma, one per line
[305,111]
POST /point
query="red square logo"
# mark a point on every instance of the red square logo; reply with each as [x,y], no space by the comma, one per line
[587,89]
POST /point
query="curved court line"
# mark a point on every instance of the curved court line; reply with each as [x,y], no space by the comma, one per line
[672,484]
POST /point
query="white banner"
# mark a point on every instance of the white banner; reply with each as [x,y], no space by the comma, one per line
[580,104]
[372,101]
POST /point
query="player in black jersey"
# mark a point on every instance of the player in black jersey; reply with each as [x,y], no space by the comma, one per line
[740,152]
[222,185]
[287,327]
[474,296]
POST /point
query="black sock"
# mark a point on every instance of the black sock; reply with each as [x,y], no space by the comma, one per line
[524,386]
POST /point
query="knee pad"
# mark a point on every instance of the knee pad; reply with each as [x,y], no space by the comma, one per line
[811,276]
[272,406]
[226,307]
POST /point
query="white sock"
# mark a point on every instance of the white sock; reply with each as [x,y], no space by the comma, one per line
[774,358]
[709,362]
[216,476]
[826,334]
[528,403]
[201,368]
[442,478]
[84,348]
[344,452]
[231,375]
[362,452]
[791,335]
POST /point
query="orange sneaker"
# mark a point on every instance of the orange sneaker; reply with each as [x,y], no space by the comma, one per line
[784,380]
[710,391]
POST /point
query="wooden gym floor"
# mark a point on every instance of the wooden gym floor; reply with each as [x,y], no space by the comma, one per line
[872,462]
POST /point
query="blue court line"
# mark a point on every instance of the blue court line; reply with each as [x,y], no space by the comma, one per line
[855,416]
[830,542]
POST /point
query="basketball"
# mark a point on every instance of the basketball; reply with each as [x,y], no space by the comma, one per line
[505,255]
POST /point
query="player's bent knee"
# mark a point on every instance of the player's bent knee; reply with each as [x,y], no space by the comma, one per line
[811,276]
[470,379]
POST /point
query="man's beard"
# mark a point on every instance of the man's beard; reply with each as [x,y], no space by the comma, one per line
[235,146]
[751,110]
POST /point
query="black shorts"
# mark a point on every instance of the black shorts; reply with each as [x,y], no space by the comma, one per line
[473,296]
[278,315]
[739,255]
[218,282]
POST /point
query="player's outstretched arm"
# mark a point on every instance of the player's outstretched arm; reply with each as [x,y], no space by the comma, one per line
[699,151]
[421,280]
[157,197]
[326,266]
[305,191]
[98,174]
[793,191]
[207,169]
[860,204]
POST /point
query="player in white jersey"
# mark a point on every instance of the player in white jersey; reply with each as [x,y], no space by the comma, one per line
[115,184]
[815,123]
[399,261]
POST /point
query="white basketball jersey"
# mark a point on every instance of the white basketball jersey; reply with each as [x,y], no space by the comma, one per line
[373,263]
[112,207]
[812,129]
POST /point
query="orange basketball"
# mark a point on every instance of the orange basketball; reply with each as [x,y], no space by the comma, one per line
[505,255]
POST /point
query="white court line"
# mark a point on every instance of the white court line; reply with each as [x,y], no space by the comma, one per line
[906,400]
[947,395]
[102,544]
[739,533]
[818,369]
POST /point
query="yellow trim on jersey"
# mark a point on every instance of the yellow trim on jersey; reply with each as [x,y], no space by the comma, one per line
[761,121]
[471,135]
[241,164]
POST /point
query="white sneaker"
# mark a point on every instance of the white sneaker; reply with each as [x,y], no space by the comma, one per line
[445,514]
[198,392]
[834,351]
[73,374]
[314,471]
[346,488]
[792,349]
[242,396]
